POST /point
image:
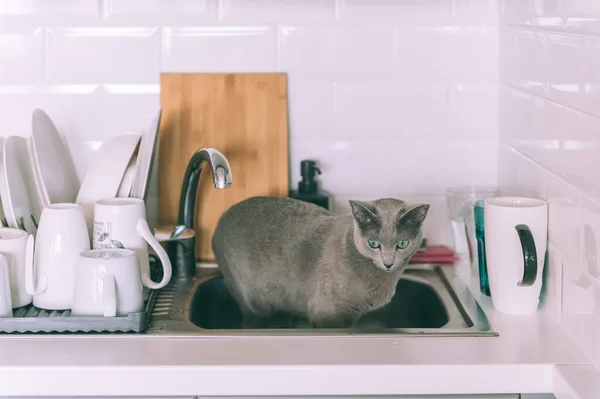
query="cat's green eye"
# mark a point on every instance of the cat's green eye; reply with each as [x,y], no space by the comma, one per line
[403,244]
[373,244]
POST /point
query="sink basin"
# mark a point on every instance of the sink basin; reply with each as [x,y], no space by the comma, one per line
[415,305]
[429,301]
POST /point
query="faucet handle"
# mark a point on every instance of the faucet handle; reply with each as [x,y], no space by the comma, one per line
[173,233]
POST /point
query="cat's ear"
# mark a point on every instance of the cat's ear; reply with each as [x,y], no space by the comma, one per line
[414,216]
[362,214]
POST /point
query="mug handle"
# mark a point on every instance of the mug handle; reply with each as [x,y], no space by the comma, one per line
[4,269]
[109,296]
[529,255]
[144,231]
[29,260]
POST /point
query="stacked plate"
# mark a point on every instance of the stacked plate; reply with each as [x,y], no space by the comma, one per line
[39,171]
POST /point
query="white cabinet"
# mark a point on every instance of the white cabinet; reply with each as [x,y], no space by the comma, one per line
[449,396]
[468,396]
[98,397]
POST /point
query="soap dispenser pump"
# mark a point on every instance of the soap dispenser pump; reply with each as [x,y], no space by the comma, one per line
[308,187]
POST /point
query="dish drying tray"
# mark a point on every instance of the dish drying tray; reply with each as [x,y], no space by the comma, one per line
[30,319]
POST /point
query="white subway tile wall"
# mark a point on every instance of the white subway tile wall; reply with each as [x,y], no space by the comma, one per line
[549,123]
[391,97]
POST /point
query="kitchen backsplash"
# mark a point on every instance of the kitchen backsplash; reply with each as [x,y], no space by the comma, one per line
[549,122]
[391,97]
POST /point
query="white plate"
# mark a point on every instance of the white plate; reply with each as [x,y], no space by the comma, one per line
[145,158]
[52,162]
[127,182]
[18,192]
[3,221]
[37,179]
[4,185]
[105,174]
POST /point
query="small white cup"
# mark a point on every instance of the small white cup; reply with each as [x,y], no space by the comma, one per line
[107,283]
[5,295]
[121,223]
[61,236]
[17,246]
[516,232]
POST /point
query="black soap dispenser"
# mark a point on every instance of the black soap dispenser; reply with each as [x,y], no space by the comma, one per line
[308,188]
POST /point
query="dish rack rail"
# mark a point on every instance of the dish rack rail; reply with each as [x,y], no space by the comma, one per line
[30,319]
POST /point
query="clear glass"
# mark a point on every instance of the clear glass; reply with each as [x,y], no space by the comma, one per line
[461,202]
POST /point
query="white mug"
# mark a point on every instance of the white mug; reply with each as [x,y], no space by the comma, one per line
[107,283]
[61,236]
[516,233]
[17,246]
[5,295]
[121,223]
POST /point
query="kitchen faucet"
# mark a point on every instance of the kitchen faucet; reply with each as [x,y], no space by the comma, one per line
[180,240]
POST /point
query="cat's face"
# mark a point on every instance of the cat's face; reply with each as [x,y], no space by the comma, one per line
[388,231]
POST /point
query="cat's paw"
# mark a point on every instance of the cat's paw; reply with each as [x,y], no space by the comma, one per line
[252,321]
[334,321]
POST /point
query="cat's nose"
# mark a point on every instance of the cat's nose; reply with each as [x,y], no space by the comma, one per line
[388,266]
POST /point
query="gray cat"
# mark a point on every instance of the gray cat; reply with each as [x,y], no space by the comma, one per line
[284,255]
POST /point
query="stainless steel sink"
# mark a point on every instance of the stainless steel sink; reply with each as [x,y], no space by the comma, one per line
[429,301]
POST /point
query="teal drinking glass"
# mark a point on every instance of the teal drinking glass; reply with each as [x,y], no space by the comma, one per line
[484,285]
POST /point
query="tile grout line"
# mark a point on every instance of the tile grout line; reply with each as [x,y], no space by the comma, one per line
[548,99]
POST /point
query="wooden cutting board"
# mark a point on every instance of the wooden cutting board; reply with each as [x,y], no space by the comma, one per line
[243,115]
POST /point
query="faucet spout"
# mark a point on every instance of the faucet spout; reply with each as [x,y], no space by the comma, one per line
[180,240]
[221,173]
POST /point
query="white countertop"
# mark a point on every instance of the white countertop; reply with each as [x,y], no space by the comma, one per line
[532,354]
